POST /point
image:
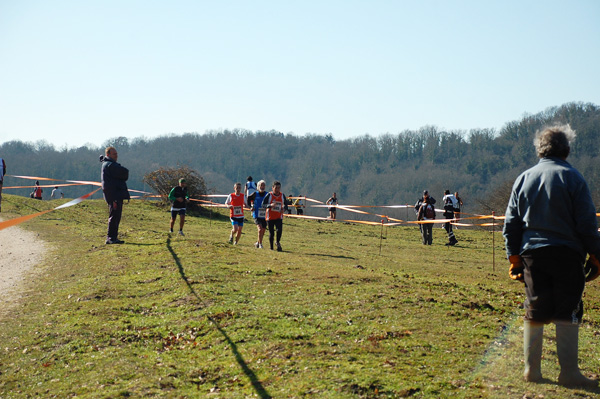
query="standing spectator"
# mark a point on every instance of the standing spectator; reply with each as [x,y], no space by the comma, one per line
[450,204]
[235,203]
[276,204]
[114,187]
[549,228]
[37,191]
[2,173]
[458,209]
[430,199]
[250,191]
[426,213]
[57,193]
[179,198]
[332,201]
[259,212]
[298,205]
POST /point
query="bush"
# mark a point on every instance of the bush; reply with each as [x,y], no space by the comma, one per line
[164,179]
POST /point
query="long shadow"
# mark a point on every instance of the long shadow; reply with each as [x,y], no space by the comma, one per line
[139,244]
[260,390]
[333,256]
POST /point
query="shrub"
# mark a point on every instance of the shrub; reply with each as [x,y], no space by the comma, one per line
[164,179]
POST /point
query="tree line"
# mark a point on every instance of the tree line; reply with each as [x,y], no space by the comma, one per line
[388,169]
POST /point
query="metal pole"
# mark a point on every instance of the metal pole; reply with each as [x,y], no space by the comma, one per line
[380,236]
[493,241]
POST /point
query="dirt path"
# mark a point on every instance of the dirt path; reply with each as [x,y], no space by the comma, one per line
[20,252]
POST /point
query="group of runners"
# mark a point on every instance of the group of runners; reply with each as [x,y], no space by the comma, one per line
[267,210]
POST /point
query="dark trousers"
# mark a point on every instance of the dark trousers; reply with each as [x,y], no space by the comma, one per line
[448,227]
[427,233]
[277,223]
[554,283]
[115,209]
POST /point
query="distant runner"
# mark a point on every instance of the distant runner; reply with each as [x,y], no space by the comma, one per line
[37,191]
[250,191]
[179,198]
[57,193]
[235,203]
[332,209]
[299,205]
[450,204]
[259,213]
[276,204]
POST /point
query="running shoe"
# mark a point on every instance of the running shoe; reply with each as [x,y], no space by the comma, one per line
[231,239]
[279,247]
[260,246]
[181,233]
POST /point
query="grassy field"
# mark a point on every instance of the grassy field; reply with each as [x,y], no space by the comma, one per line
[330,317]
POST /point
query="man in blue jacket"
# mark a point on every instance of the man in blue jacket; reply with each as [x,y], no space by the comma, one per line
[114,187]
[549,229]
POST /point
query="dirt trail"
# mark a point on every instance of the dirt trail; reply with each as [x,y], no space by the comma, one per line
[20,252]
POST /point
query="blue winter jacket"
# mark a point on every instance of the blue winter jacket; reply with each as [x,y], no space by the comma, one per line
[114,177]
[551,205]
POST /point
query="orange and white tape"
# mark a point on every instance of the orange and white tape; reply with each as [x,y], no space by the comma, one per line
[13,222]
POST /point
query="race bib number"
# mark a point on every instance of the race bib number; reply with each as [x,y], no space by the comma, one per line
[262,213]
[237,210]
[276,207]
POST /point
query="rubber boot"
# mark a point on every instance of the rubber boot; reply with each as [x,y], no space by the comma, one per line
[567,348]
[533,337]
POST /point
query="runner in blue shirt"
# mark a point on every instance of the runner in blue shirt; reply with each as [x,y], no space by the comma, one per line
[259,212]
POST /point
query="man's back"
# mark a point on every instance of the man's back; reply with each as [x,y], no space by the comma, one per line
[552,206]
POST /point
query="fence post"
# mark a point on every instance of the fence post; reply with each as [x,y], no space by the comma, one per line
[494,241]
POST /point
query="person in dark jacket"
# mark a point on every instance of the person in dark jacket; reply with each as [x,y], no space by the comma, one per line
[2,173]
[114,187]
[421,206]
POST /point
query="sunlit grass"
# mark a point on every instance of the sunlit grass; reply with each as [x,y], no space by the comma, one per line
[330,317]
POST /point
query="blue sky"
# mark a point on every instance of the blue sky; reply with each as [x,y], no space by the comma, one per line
[76,72]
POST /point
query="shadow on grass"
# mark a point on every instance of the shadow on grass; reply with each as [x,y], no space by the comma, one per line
[139,244]
[547,381]
[260,390]
[334,256]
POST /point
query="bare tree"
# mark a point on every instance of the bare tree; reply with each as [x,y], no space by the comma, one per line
[164,179]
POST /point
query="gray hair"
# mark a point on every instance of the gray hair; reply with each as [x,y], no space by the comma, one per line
[554,141]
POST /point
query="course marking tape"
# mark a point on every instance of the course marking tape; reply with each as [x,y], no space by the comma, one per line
[47,185]
[77,200]
[34,178]
[349,208]
[13,222]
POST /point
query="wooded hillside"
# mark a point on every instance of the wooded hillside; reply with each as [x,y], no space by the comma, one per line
[384,170]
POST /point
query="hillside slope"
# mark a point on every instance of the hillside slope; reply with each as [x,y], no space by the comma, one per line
[330,317]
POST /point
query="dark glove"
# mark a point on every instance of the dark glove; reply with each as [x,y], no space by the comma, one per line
[516,269]
[592,268]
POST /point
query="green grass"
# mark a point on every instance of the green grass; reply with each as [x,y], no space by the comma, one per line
[330,317]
